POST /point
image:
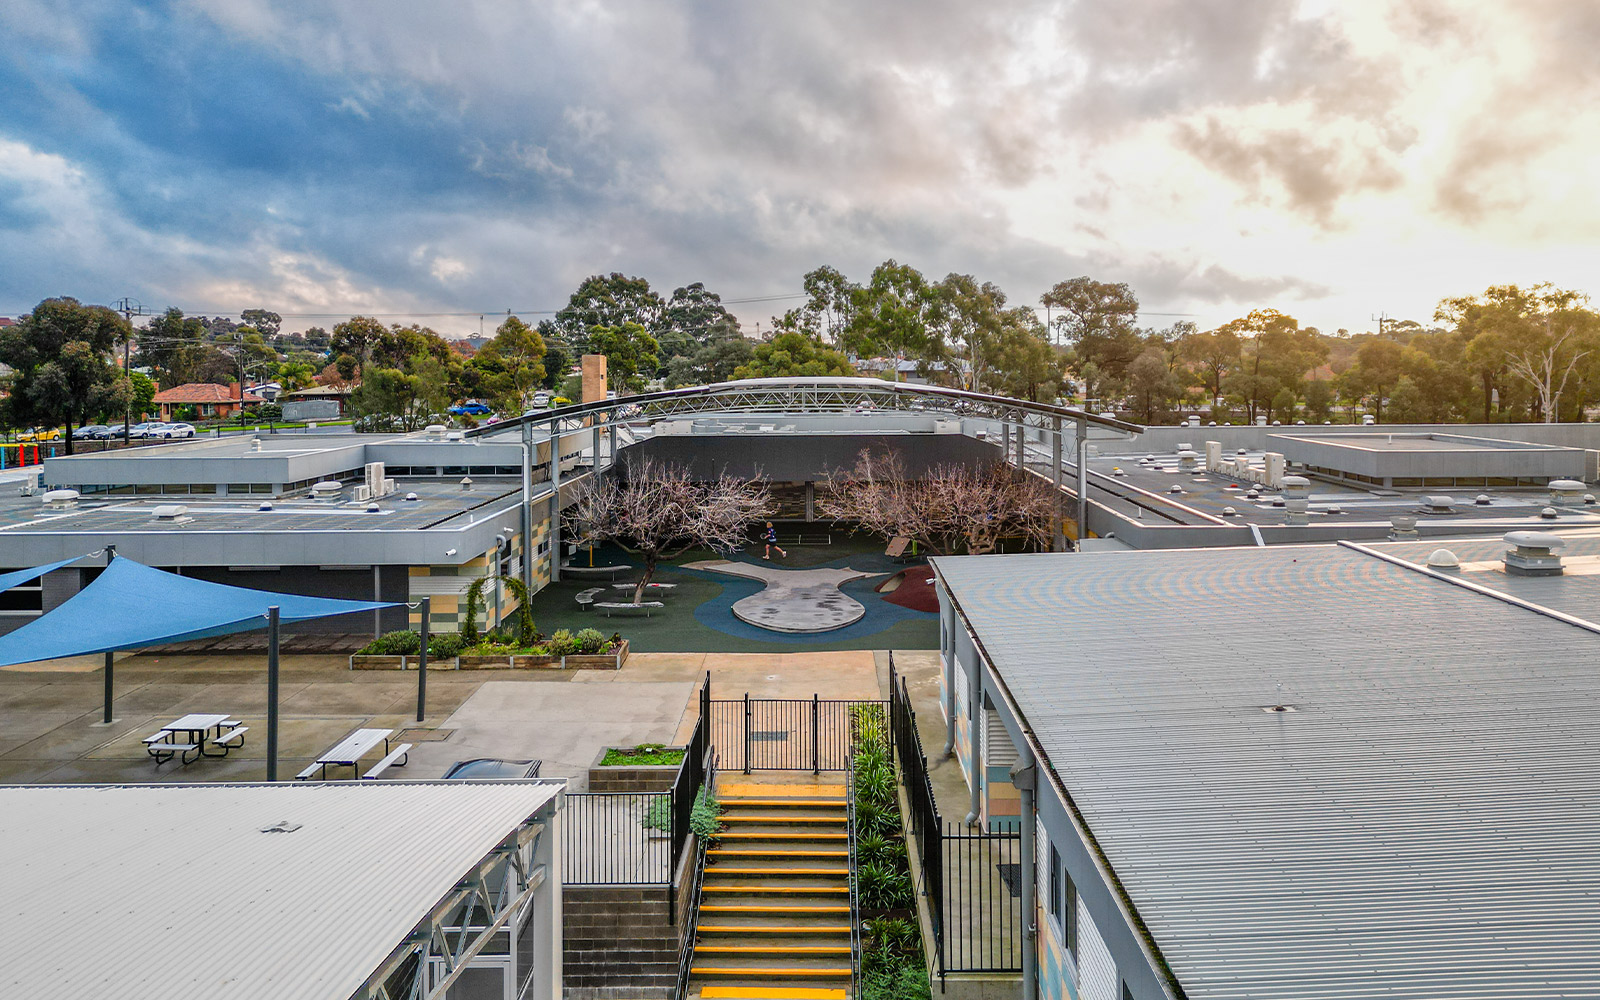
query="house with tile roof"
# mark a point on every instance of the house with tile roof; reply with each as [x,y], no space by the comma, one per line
[209,399]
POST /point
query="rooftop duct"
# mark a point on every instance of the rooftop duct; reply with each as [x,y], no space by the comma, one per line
[1402,526]
[61,499]
[1533,553]
[173,513]
[1566,492]
[1438,505]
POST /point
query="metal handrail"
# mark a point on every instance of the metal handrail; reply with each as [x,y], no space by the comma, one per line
[855,904]
[692,923]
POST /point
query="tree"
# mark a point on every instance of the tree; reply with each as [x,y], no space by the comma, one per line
[717,361]
[608,301]
[952,508]
[1025,365]
[656,511]
[894,315]
[688,319]
[630,352]
[396,399]
[1319,399]
[174,346]
[970,325]
[793,354]
[1214,355]
[267,322]
[512,365]
[1538,335]
[351,343]
[60,353]
[1152,385]
[1377,369]
[1098,319]
[1276,354]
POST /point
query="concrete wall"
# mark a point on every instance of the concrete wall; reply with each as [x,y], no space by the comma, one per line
[1165,440]
[1461,457]
[799,458]
[622,942]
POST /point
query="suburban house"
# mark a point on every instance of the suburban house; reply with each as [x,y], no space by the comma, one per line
[329,402]
[208,399]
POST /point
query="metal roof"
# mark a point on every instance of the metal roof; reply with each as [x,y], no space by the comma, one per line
[1576,592]
[174,890]
[1423,825]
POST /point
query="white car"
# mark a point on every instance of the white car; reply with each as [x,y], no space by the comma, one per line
[173,431]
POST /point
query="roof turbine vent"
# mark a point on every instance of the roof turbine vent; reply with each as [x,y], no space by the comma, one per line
[1402,527]
[1532,553]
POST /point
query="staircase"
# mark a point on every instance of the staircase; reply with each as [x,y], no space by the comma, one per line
[775,901]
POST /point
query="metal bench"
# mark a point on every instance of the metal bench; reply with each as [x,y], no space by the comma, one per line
[163,751]
[586,597]
[613,607]
[225,741]
[308,772]
[649,588]
[398,757]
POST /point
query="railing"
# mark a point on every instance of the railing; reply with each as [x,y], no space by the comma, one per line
[692,924]
[686,787]
[617,838]
[855,904]
[782,734]
[982,901]
[922,816]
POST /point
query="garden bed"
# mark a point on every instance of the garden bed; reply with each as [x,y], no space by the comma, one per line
[587,650]
[649,767]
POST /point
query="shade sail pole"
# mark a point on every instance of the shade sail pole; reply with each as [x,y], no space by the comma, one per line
[422,664]
[272,693]
[111,553]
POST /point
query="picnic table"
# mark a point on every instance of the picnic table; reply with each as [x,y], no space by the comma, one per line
[349,751]
[196,730]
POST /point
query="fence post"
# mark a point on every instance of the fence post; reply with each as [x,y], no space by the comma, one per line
[747,732]
[816,756]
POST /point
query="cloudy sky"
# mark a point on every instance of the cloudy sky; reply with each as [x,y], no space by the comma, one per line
[1330,159]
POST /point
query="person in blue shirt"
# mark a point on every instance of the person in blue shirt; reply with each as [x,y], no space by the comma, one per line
[772,542]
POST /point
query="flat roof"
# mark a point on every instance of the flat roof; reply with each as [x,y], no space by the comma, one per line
[1423,825]
[1403,443]
[1576,592]
[174,890]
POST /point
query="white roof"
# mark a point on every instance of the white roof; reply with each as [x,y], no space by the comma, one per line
[174,890]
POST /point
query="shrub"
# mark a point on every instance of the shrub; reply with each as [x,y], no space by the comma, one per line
[589,640]
[562,643]
[444,645]
[469,617]
[500,636]
[885,887]
[393,644]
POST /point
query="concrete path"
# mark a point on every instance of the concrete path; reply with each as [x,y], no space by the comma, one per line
[795,600]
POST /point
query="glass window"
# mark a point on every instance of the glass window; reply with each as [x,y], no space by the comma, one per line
[202,487]
[1069,906]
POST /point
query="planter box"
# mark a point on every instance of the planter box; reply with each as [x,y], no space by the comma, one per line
[632,777]
[379,661]
[599,661]
[502,662]
[527,661]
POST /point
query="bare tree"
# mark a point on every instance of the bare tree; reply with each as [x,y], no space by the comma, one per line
[953,508]
[1544,365]
[656,511]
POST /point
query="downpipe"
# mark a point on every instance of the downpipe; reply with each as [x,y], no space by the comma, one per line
[1025,776]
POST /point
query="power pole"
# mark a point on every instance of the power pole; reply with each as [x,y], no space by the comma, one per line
[1381,319]
[129,309]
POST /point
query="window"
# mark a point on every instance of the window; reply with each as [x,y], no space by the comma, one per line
[1069,908]
[1127,994]
[24,598]
[1055,883]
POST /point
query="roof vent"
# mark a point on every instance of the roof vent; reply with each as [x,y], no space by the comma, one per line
[466,482]
[1295,485]
[265,505]
[1252,494]
[434,431]
[373,508]
[1549,514]
[1229,512]
[1482,500]
[328,489]
[1566,492]
[174,513]
[255,444]
[281,826]
[1588,498]
[1175,488]
[1438,505]
[1149,458]
[1334,508]
[1402,526]
[1241,451]
[1279,709]
[1533,553]
[1184,446]
[412,496]
[1443,559]
[61,499]
[1188,458]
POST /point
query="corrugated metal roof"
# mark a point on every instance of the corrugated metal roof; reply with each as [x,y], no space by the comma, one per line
[174,891]
[1425,825]
[1577,593]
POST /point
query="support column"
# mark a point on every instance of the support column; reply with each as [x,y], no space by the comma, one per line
[1083,481]
[811,502]
[1005,440]
[377,595]
[272,693]
[527,507]
[555,501]
[975,735]
[1022,443]
[1058,537]
[1024,775]
[110,693]
[422,661]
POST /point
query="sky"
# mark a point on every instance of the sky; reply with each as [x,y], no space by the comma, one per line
[1334,160]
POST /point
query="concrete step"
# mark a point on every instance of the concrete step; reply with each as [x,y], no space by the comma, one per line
[772,950]
[767,909]
[770,993]
[773,971]
[781,820]
[812,835]
[768,889]
[762,929]
[775,854]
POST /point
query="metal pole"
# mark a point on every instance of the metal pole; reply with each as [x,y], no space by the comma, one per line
[1058,540]
[816,756]
[272,693]
[422,662]
[747,732]
[527,507]
[555,501]
[1025,776]
[377,595]
[1083,481]
[111,553]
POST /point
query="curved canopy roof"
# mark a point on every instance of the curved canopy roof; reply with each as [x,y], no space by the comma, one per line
[131,605]
[815,395]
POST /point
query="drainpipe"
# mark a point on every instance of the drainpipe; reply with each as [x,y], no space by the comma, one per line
[950,693]
[974,740]
[527,508]
[1025,776]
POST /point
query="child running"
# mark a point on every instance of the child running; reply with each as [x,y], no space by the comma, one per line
[772,542]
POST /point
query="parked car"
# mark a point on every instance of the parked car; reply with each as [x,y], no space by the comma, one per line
[541,399]
[34,434]
[173,431]
[142,428]
[88,432]
[105,432]
[471,407]
[493,767]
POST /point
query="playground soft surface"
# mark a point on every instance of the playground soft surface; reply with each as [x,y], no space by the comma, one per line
[697,617]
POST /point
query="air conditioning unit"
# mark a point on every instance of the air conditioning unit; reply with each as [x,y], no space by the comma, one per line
[363,494]
[375,481]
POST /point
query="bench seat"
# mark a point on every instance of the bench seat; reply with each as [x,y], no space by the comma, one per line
[225,741]
[619,608]
[308,772]
[586,597]
[398,757]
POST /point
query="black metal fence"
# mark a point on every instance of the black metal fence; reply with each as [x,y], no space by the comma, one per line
[923,825]
[782,734]
[617,838]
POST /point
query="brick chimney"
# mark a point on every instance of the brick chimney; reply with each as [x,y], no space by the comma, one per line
[238,390]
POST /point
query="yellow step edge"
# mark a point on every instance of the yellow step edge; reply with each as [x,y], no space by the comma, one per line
[759,788]
[827,890]
[782,819]
[769,973]
[722,869]
[796,803]
[757,835]
[730,852]
[769,993]
[772,949]
[747,929]
[756,908]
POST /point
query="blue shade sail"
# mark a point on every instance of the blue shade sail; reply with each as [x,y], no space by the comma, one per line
[132,605]
[21,576]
